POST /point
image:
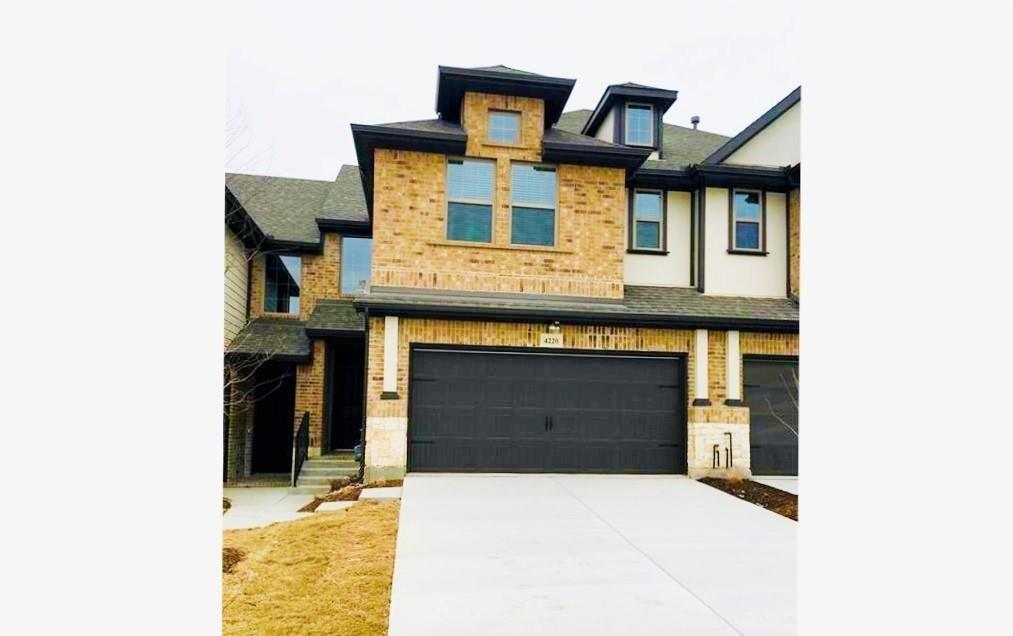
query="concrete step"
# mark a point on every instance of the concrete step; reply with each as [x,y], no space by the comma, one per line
[330,466]
[323,472]
[318,481]
[309,490]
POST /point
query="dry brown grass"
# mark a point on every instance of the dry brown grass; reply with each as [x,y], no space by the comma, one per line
[326,574]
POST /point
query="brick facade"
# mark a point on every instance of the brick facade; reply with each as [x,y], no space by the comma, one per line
[409,219]
[387,419]
[321,278]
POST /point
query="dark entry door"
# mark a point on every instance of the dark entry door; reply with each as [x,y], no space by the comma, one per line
[346,378]
[532,411]
[771,390]
[273,418]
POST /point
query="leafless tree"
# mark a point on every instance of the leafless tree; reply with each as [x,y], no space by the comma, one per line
[791,390]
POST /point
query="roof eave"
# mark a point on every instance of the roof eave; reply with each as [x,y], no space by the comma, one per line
[450,88]
[499,314]
[581,154]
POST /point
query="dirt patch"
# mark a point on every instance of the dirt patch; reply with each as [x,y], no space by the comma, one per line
[348,491]
[779,501]
[325,574]
[385,483]
[230,557]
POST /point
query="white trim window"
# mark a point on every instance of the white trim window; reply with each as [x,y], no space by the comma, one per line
[648,220]
[639,125]
[470,185]
[747,219]
[532,204]
[504,126]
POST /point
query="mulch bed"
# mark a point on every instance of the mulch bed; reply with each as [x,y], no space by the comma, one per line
[230,557]
[347,490]
[779,501]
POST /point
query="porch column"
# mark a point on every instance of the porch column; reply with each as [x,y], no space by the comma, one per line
[734,379]
[701,369]
[389,358]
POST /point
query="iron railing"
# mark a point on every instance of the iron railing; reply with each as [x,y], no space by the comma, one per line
[300,446]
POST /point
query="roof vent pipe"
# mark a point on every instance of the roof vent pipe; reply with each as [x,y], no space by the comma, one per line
[695,119]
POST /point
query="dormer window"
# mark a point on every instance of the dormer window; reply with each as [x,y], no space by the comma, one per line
[639,125]
[504,127]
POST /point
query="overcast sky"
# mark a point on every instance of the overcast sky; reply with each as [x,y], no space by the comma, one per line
[298,73]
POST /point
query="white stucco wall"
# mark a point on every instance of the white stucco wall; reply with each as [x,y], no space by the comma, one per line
[671,269]
[779,144]
[745,275]
[236,275]
[607,129]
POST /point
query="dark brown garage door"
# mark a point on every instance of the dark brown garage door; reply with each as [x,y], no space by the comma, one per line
[771,393]
[535,411]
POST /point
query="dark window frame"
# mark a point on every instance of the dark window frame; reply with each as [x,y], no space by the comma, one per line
[762,223]
[626,124]
[271,271]
[555,208]
[632,247]
[449,200]
[342,269]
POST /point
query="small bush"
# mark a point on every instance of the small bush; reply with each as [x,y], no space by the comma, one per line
[230,557]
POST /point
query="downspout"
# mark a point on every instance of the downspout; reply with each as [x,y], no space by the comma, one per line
[365,402]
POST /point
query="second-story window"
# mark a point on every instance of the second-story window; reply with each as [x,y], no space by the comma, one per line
[504,127]
[648,219]
[747,217]
[356,254]
[283,276]
[469,200]
[639,125]
[533,204]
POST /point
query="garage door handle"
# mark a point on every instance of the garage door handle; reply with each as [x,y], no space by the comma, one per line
[546,422]
[669,445]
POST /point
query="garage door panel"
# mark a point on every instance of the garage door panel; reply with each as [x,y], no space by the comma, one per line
[485,410]
[770,385]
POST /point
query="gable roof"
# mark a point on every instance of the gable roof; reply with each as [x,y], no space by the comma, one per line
[287,209]
[681,146]
[754,128]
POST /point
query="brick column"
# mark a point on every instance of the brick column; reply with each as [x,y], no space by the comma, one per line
[309,396]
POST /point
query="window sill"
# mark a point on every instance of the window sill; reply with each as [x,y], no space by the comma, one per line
[748,252]
[494,246]
[504,144]
[651,252]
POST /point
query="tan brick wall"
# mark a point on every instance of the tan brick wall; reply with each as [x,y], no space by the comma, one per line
[321,278]
[409,219]
[387,420]
[795,239]
[309,395]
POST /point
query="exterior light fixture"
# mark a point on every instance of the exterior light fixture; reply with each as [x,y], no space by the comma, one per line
[554,327]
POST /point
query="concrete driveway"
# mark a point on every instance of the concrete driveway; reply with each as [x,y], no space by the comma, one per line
[588,554]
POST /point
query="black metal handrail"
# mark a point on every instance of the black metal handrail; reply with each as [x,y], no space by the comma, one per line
[300,446]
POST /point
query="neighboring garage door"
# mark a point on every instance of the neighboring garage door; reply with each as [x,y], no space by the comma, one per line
[530,411]
[771,384]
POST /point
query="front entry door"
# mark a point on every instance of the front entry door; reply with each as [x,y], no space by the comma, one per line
[273,418]
[346,378]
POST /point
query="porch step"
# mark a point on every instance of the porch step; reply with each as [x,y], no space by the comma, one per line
[309,490]
[318,472]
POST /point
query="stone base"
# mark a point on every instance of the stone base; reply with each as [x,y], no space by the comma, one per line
[709,427]
[381,473]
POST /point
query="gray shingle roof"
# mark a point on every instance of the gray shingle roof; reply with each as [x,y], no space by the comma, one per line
[681,146]
[336,315]
[499,68]
[426,125]
[286,209]
[274,337]
[639,300]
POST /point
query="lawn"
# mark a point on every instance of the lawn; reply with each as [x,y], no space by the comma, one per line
[326,574]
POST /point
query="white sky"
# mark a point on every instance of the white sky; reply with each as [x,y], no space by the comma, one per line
[298,73]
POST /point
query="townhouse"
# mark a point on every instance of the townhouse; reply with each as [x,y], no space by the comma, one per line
[512,287]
